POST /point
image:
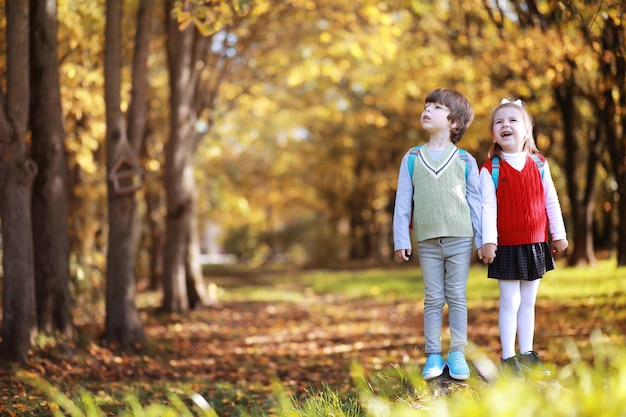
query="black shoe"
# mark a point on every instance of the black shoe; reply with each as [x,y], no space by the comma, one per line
[511,369]
[532,365]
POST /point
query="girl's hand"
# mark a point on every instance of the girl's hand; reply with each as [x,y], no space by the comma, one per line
[402,255]
[488,252]
[558,246]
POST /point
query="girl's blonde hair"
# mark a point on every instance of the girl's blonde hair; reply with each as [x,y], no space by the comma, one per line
[529,146]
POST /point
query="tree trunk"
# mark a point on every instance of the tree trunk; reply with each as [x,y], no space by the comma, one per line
[154,219]
[177,166]
[138,111]
[582,203]
[155,227]
[613,72]
[181,281]
[123,327]
[17,172]
[196,289]
[50,196]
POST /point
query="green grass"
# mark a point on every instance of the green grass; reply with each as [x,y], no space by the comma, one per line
[405,282]
[602,280]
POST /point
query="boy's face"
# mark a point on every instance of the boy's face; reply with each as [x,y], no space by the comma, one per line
[435,117]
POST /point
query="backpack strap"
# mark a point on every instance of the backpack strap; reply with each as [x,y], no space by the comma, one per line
[465,158]
[495,170]
[495,167]
[411,162]
[539,163]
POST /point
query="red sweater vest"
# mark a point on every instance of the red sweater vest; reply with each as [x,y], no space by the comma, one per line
[522,217]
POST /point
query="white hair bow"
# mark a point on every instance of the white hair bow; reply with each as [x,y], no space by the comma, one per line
[517,102]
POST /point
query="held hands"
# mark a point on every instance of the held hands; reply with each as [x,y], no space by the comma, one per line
[558,246]
[402,255]
[487,252]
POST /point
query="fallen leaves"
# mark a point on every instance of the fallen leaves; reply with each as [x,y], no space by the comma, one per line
[248,345]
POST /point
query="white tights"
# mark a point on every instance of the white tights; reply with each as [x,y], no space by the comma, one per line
[517,315]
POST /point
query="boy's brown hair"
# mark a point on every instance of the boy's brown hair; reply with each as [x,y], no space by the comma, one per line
[461,110]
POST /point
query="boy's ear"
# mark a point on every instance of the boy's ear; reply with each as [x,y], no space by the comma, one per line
[454,124]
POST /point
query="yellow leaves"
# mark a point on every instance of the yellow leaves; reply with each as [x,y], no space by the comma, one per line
[264,107]
[300,74]
[373,117]
[356,51]
[213,151]
[412,89]
[306,4]
[332,71]
[212,17]
[325,37]
[420,7]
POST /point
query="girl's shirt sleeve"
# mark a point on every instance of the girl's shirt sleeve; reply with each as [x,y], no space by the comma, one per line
[489,207]
[553,207]
[473,196]
[403,207]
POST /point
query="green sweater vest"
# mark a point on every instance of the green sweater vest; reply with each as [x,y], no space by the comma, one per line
[439,196]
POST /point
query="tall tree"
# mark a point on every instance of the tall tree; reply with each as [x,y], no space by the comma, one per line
[582,252]
[183,49]
[17,173]
[139,132]
[612,105]
[123,326]
[50,194]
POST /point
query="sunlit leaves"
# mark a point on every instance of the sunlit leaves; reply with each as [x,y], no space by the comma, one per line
[210,16]
[348,76]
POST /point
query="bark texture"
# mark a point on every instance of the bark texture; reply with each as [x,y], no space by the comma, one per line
[50,190]
[17,172]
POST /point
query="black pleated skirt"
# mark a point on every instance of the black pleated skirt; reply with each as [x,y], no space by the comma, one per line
[521,262]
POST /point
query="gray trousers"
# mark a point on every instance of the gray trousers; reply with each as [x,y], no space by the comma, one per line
[445,266]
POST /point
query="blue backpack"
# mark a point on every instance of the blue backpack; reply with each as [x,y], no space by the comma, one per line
[495,167]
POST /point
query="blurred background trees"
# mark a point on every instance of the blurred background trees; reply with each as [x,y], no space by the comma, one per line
[273,130]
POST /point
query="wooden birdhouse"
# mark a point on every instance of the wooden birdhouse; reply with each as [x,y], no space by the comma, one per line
[126,175]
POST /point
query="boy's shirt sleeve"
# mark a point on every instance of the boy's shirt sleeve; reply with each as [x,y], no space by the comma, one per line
[553,207]
[403,207]
[489,207]
[474,200]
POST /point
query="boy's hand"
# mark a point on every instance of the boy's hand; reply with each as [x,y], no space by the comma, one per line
[488,252]
[559,246]
[402,255]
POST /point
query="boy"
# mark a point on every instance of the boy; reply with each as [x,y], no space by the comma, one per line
[439,191]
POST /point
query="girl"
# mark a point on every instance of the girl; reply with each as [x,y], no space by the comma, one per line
[519,203]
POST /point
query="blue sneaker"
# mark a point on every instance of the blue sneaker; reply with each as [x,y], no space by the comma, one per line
[457,366]
[434,366]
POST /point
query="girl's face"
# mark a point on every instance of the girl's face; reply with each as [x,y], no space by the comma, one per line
[509,129]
